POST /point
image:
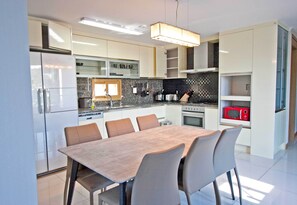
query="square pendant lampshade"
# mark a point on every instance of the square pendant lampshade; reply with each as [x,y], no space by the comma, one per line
[172,34]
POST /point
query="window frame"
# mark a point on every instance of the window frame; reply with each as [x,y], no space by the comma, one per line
[107,82]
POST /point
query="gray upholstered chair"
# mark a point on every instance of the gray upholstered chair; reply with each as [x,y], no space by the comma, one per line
[89,179]
[196,171]
[224,159]
[119,127]
[147,122]
[155,181]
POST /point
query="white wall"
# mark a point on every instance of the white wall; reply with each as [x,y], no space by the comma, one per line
[17,173]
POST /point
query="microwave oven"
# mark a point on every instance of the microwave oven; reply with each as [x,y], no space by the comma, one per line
[236,113]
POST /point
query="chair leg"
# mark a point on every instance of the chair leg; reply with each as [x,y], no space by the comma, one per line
[91,198]
[217,192]
[239,185]
[188,198]
[66,189]
[230,183]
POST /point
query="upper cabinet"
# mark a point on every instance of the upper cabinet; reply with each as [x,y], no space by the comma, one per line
[44,34]
[35,33]
[88,46]
[170,61]
[122,50]
[59,36]
[146,60]
[236,52]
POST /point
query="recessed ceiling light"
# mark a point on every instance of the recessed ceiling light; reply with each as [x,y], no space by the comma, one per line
[109,26]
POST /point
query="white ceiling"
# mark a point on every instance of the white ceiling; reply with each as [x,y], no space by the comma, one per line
[206,17]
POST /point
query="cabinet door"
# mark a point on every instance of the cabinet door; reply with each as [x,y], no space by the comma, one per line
[87,46]
[244,137]
[122,50]
[146,59]
[211,119]
[161,65]
[173,114]
[236,52]
[182,61]
[59,36]
[35,34]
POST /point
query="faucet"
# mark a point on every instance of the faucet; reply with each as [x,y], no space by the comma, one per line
[110,100]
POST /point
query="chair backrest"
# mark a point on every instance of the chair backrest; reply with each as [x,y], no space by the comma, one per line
[198,166]
[147,122]
[83,133]
[156,179]
[224,159]
[119,127]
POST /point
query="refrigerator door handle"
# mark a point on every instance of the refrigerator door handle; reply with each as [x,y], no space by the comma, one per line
[39,99]
[47,100]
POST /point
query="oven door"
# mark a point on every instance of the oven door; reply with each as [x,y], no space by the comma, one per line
[195,119]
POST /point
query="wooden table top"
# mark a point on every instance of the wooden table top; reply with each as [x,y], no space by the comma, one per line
[119,158]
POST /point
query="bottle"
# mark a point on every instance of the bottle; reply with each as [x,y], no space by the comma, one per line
[93,105]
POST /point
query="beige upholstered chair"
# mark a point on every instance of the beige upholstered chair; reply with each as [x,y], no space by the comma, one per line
[147,122]
[119,127]
[197,169]
[224,160]
[155,181]
[86,177]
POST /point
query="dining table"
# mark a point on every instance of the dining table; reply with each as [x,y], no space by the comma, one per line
[119,158]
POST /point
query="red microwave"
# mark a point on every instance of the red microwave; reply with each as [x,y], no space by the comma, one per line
[237,113]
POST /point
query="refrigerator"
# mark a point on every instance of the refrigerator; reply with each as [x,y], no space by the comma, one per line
[54,101]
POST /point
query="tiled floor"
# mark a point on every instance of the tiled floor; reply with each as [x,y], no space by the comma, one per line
[263,181]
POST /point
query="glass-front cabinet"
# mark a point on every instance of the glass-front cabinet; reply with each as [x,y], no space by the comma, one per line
[91,67]
[281,71]
[123,69]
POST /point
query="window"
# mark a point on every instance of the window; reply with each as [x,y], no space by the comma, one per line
[101,87]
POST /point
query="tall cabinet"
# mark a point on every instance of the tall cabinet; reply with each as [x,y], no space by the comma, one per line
[250,62]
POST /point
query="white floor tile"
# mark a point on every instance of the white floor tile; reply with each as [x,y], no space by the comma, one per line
[287,166]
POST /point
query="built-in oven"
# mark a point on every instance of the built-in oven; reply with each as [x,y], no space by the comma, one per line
[193,116]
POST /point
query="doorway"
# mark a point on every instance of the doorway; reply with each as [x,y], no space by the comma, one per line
[293,94]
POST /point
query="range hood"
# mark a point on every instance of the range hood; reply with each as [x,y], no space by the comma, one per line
[206,58]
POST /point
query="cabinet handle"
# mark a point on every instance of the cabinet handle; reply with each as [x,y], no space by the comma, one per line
[89,118]
[47,100]
[39,99]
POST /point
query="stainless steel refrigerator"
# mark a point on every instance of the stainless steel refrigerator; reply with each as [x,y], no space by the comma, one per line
[54,99]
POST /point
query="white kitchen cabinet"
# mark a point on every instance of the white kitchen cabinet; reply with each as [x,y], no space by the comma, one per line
[173,114]
[35,34]
[59,36]
[122,50]
[161,68]
[132,114]
[244,137]
[87,46]
[236,52]
[211,118]
[99,122]
[146,61]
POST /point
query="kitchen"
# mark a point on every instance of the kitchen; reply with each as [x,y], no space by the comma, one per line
[28,100]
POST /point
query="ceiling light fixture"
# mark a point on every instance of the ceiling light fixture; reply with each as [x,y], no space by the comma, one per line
[108,26]
[173,34]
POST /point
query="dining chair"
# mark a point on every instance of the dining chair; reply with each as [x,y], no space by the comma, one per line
[224,159]
[154,183]
[196,171]
[89,179]
[119,127]
[147,122]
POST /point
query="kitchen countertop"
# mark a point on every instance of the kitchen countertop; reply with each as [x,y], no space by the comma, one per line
[133,106]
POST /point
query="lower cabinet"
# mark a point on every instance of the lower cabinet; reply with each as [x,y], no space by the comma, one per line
[173,114]
[211,118]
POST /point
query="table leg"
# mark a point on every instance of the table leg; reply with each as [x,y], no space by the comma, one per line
[73,175]
[123,193]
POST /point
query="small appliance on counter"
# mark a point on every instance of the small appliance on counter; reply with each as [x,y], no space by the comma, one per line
[84,102]
[236,113]
[159,96]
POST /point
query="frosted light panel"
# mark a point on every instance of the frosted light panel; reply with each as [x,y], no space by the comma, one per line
[100,89]
[113,89]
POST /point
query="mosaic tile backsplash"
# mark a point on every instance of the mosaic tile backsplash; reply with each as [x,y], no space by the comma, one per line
[145,90]
[204,85]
